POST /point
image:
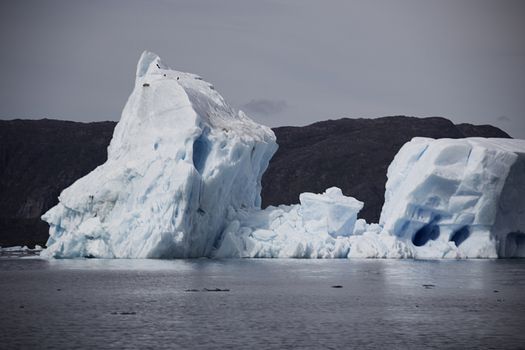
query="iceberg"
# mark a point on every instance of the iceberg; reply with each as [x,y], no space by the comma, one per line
[183,180]
[180,159]
[463,198]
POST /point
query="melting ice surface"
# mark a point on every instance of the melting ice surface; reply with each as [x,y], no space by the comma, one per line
[183,179]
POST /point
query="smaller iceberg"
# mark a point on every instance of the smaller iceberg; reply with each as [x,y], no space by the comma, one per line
[463,198]
[330,212]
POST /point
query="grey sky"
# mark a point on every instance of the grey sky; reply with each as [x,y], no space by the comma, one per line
[286,62]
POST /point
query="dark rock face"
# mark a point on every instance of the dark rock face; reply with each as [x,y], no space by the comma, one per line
[469,130]
[352,154]
[39,158]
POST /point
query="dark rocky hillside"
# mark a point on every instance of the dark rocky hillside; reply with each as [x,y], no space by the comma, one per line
[39,158]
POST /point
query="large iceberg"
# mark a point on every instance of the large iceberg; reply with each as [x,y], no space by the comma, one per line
[179,160]
[458,198]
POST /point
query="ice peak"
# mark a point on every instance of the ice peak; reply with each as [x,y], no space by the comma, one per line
[147,61]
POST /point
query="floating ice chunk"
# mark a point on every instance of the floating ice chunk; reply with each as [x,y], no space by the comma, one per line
[322,226]
[330,212]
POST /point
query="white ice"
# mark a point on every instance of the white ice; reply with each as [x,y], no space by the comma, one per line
[179,159]
[321,226]
[462,198]
[444,199]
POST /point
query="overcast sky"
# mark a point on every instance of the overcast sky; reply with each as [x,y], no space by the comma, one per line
[283,62]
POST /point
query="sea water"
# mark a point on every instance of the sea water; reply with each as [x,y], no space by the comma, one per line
[261,304]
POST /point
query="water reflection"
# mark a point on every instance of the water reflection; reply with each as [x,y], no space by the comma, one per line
[269,303]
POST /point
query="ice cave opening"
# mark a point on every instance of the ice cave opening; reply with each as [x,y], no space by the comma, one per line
[426,233]
[460,236]
[515,245]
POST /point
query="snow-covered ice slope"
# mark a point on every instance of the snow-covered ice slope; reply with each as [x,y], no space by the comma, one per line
[180,158]
[463,198]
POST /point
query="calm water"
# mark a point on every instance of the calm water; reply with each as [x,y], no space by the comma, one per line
[279,304]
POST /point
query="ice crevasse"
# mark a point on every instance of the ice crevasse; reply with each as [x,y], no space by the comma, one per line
[179,159]
[183,179]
